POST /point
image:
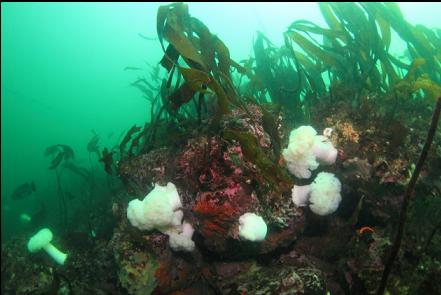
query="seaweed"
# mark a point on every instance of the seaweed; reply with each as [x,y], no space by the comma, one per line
[80,171]
[269,124]
[92,145]
[205,54]
[59,152]
[137,139]
[126,139]
[356,46]
[276,69]
[107,160]
[274,174]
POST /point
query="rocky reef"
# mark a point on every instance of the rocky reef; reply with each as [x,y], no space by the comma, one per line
[224,155]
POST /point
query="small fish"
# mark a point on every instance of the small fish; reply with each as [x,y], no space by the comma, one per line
[23,191]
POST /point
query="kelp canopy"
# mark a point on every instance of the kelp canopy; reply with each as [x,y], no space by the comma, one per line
[355,49]
[351,56]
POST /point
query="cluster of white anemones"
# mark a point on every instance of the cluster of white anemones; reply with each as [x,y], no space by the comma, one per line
[305,152]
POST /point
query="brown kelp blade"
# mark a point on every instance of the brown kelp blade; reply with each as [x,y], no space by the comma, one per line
[196,79]
[107,160]
[59,152]
[127,138]
[56,161]
[67,151]
[170,57]
[80,171]
[312,49]
[51,150]
[176,36]
[330,18]
[92,145]
[274,174]
[182,95]
[161,16]
[307,26]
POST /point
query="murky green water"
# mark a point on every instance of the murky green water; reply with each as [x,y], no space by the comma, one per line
[64,77]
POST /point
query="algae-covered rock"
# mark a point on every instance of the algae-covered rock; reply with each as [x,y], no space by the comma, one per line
[146,264]
[251,278]
[24,273]
[136,267]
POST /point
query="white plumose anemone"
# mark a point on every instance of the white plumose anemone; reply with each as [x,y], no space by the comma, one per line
[306,150]
[160,210]
[298,155]
[325,194]
[322,195]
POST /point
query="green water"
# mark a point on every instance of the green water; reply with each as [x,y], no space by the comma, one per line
[62,76]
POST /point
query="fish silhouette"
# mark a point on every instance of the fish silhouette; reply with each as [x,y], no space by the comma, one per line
[23,191]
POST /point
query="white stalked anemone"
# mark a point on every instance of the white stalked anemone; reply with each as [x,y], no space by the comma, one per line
[42,240]
[252,227]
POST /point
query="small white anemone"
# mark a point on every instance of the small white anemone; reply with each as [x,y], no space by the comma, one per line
[25,218]
[252,227]
[300,195]
[181,241]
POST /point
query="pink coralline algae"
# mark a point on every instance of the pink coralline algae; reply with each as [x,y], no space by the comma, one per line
[139,173]
[210,164]
[215,172]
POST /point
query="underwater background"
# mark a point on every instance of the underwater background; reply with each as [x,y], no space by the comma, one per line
[69,88]
[63,75]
